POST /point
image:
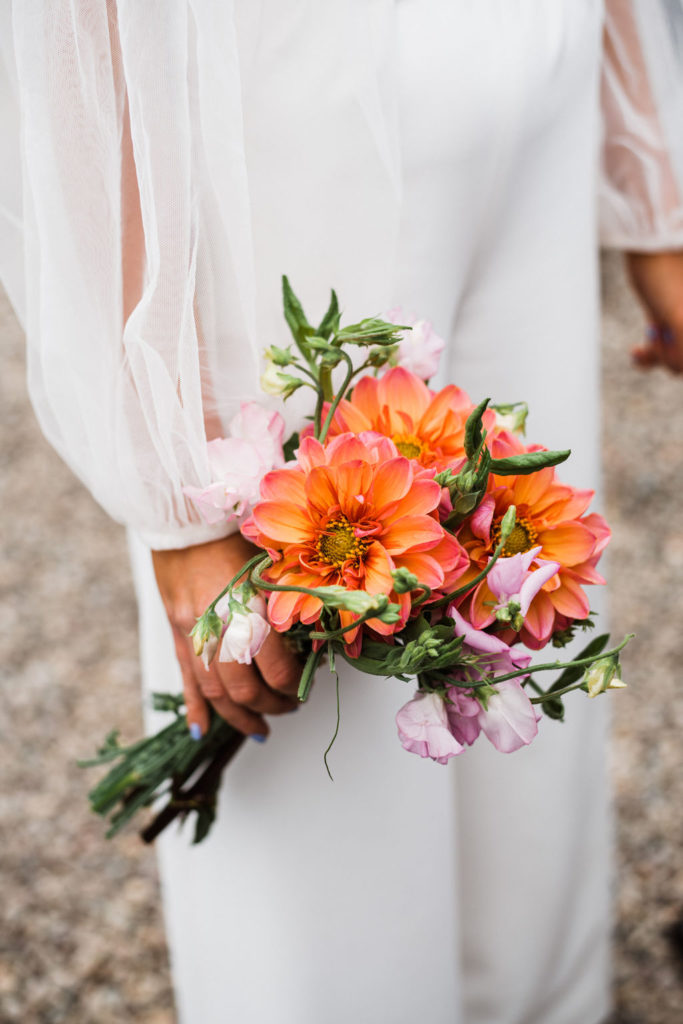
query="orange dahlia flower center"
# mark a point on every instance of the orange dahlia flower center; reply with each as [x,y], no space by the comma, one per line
[339,543]
[523,537]
[409,445]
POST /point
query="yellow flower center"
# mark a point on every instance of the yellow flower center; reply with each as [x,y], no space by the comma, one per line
[408,445]
[523,537]
[339,543]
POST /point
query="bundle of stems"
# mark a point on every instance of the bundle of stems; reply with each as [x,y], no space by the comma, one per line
[171,767]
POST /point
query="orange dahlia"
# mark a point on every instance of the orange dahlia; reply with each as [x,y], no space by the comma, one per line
[424,425]
[550,515]
[347,514]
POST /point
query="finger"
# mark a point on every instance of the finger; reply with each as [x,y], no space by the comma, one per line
[644,357]
[244,686]
[241,718]
[664,348]
[196,711]
[279,665]
[670,344]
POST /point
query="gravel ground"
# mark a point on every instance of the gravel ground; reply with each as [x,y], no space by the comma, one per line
[81,937]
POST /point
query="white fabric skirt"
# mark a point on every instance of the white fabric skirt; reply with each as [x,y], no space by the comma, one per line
[475,892]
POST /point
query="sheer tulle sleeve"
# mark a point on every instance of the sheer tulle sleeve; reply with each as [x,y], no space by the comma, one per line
[128,200]
[641,204]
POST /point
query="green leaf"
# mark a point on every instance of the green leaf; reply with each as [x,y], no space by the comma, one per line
[529,462]
[574,673]
[206,815]
[294,314]
[371,331]
[290,446]
[553,709]
[474,434]
[330,322]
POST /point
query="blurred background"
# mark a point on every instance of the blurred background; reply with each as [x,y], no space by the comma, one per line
[81,937]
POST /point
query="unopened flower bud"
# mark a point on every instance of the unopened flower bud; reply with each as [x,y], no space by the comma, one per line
[357,601]
[210,650]
[512,417]
[601,676]
[511,614]
[391,614]
[466,481]
[274,382]
[207,626]
[404,580]
[508,523]
[279,356]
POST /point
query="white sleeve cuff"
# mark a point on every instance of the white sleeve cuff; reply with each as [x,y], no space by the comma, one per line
[186,536]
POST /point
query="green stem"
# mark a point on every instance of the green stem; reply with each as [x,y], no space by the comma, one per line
[261,584]
[247,567]
[318,415]
[333,668]
[312,662]
[325,383]
[335,633]
[338,397]
[554,665]
[461,591]
[551,694]
[424,596]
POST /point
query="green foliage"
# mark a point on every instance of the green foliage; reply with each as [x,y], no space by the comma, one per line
[528,462]
[290,446]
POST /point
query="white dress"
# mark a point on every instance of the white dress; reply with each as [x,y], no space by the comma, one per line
[437,154]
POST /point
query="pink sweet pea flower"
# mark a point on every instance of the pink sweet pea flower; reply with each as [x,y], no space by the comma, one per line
[509,719]
[238,463]
[263,428]
[501,657]
[246,631]
[423,728]
[419,349]
[463,715]
[511,579]
[501,710]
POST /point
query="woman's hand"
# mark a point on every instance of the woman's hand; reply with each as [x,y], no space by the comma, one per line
[657,278]
[189,579]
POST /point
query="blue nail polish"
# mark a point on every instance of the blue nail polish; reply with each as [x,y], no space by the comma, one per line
[196,731]
[652,333]
[259,738]
[667,336]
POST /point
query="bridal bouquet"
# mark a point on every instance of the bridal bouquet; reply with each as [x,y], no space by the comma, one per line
[405,531]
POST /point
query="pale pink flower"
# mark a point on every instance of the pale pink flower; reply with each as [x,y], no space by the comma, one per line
[497,657]
[423,728]
[419,349]
[238,463]
[263,428]
[501,710]
[245,632]
[463,715]
[509,719]
[209,650]
[512,580]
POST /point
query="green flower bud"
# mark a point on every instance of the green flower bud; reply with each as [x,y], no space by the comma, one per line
[404,581]
[279,356]
[357,601]
[207,626]
[512,417]
[601,676]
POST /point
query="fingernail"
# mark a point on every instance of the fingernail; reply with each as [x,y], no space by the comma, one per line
[667,336]
[652,333]
[195,731]
[258,737]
